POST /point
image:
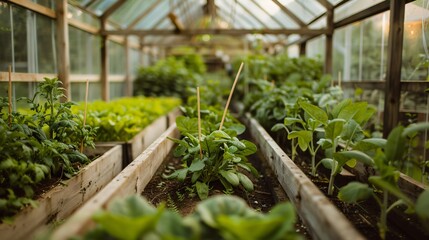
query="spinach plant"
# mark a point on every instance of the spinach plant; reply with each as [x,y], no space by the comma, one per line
[223,155]
[220,217]
[383,154]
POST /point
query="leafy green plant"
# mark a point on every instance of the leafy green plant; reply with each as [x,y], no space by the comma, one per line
[223,154]
[169,77]
[40,143]
[383,156]
[122,119]
[345,127]
[220,217]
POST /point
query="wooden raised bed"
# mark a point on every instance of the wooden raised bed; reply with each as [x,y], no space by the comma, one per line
[62,200]
[133,179]
[134,147]
[320,216]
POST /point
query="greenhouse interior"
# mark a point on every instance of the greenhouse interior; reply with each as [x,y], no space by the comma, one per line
[214,119]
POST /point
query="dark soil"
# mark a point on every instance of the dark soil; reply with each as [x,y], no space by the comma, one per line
[178,196]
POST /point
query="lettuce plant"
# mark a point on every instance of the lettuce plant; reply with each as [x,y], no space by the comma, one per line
[220,217]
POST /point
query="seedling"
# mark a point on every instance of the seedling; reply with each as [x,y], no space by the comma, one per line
[383,155]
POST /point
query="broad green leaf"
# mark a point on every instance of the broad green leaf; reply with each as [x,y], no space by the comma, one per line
[391,188]
[210,209]
[314,112]
[371,143]
[415,127]
[231,177]
[351,110]
[334,128]
[395,145]
[337,109]
[196,165]
[250,148]
[355,192]
[238,128]
[289,121]
[358,155]
[277,127]
[352,131]
[202,190]
[132,206]
[245,181]
[187,125]
[327,163]
[219,134]
[422,206]
[304,138]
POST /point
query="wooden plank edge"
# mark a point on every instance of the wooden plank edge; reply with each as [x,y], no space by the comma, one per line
[54,205]
[146,137]
[323,219]
[126,183]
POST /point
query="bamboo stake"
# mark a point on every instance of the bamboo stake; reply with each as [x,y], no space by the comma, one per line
[230,95]
[85,111]
[199,122]
[339,79]
[10,96]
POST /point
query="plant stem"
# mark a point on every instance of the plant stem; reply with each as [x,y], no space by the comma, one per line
[383,216]
[331,179]
[313,163]
[293,149]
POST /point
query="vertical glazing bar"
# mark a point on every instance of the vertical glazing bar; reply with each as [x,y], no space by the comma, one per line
[394,63]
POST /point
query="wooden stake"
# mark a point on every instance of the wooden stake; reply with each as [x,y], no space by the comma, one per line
[199,121]
[85,110]
[10,96]
[230,95]
[339,79]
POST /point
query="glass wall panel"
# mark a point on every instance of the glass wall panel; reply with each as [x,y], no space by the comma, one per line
[316,47]
[21,51]
[46,59]
[46,3]
[415,54]
[360,49]
[116,58]
[78,91]
[5,38]
[84,52]
[134,61]
[116,90]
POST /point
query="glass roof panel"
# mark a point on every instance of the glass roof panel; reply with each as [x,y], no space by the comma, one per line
[82,16]
[255,10]
[334,2]
[305,10]
[320,23]
[155,17]
[132,9]
[277,13]
[240,12]
[352,7]
[100,6]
